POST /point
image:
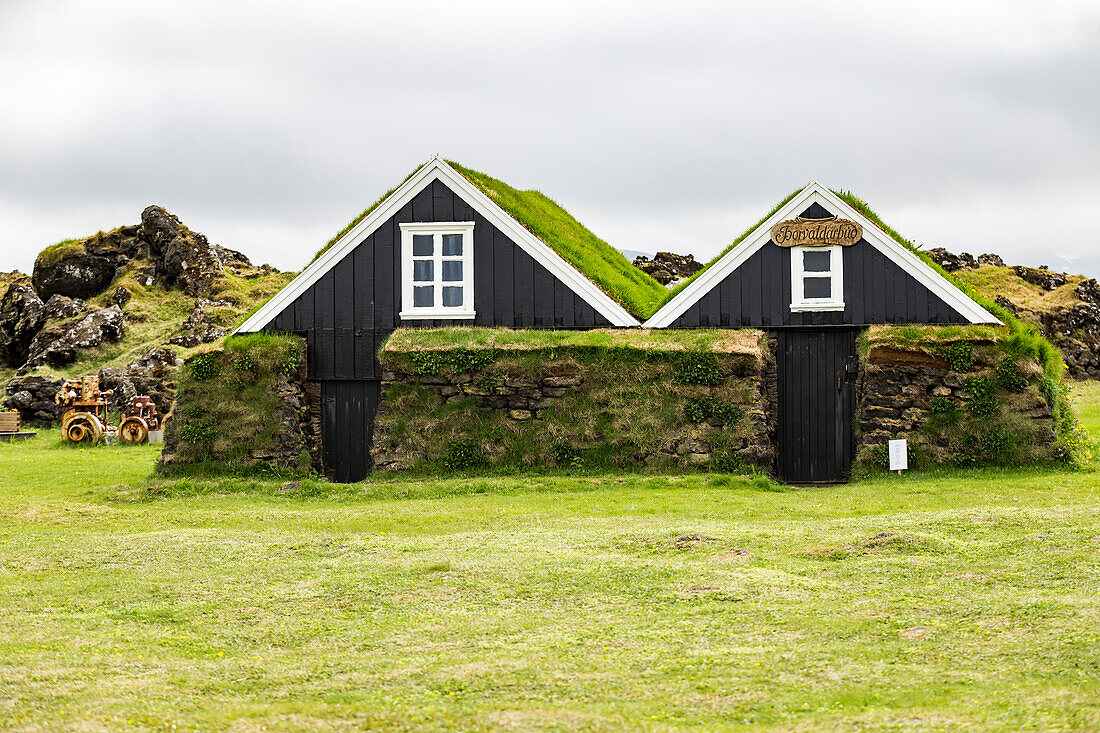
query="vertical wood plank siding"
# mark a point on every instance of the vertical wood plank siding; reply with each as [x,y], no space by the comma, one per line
[758,293]
[346,315]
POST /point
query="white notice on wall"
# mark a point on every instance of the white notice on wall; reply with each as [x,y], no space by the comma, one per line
[899,455]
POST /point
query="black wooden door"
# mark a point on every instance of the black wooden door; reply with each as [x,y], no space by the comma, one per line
[817,370]
[347,427]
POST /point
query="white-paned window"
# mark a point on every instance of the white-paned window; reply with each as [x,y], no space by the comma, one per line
[817,278]
[437,270]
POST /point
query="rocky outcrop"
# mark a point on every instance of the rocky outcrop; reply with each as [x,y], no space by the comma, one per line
[103,325]
[173,255]
[22,314]
[951,262]
[199,327]
[1041,276]
[184,258]
[667,267]
[33,397]
[84,268]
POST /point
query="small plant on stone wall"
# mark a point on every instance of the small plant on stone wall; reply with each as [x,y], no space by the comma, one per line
[293,360]
[728,415]
[697,368]
[463,454]
[997,444]
[877,456]
[698,409]
[566,454]
[959,356]
[940,405]
[1009,377]
[204,366]
[244,371]
[984,400]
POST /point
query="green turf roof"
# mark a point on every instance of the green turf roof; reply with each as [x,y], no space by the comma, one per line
[601,263]
[596,259]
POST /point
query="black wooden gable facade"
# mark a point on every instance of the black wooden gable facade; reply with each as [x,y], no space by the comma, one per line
[350,300]
[816,364]
[349,311]
[758,293]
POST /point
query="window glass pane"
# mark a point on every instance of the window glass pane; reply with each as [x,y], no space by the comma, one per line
[423,271]
[422,245]
[816,261]
[818,287]
[452,296]
[423,297]
[452,244]
[452,270]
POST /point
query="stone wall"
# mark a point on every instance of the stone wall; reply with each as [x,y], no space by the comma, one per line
[566,409]
[245,408]
[958,416]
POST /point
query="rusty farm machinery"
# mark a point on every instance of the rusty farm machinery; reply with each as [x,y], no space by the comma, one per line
[85,418]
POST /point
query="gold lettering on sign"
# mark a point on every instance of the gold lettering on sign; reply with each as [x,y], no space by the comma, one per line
[803,232]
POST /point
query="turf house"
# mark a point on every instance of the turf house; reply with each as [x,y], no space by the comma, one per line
[459,322]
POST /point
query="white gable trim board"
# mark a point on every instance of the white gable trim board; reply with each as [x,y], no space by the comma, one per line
[439,169]
[816,193]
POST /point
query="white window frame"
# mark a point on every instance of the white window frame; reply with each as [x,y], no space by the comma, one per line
[799,301]
[437,230]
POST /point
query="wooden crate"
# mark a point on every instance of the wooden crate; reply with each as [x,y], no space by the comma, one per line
[9,422]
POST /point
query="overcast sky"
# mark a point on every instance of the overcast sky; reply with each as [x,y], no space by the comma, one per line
[969,125]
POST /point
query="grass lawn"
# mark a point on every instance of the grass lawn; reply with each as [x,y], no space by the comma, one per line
[963,600]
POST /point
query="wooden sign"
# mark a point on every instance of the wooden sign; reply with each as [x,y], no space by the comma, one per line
[802,232]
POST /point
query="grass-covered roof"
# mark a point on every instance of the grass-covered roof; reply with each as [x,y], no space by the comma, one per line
[714,340]
[601,263]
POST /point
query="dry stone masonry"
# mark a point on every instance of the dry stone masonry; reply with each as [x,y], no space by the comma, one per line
[571,408]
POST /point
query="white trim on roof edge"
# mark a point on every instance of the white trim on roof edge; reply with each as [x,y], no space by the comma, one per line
[439,169]
[816,193]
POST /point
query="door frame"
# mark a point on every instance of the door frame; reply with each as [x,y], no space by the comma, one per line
[824,375]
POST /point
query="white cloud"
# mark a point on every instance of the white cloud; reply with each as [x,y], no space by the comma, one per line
[266,124]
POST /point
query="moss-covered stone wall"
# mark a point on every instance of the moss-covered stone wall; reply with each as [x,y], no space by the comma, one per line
[245,408]
[962,396]
[627,401]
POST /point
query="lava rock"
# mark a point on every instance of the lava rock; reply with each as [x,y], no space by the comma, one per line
[22,314]
[85,268]
[952,262]
[1007,304]
[105,324]
[668,267]
[185,258]
[1041,276]
[60,307]
[991,259]
[34,398]
[199,328]
[121,296]
[156,362]
[1089,291]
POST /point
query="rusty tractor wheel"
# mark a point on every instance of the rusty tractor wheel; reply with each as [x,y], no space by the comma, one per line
[133,430]
[78,427]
